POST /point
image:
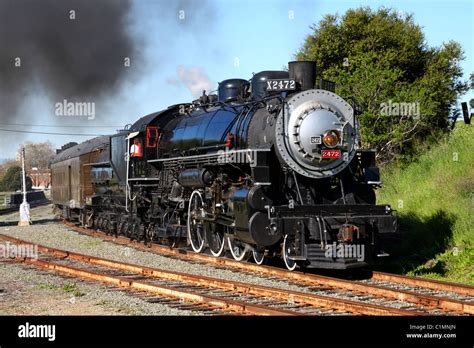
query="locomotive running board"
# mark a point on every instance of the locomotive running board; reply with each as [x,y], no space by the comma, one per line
[211,155]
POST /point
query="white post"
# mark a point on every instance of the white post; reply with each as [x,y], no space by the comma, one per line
[24,206]
[23,174]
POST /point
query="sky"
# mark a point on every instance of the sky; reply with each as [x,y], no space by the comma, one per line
[192,45]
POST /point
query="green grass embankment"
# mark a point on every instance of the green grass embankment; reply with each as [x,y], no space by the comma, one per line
[434,197]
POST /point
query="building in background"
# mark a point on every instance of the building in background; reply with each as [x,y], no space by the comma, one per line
[41,178]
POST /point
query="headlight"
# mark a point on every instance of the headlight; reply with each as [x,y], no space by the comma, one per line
[331,138]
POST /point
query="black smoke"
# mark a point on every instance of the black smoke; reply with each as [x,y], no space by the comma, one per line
[79,58]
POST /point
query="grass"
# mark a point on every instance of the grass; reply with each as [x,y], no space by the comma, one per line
[434,197]
[92,243]
[68,288]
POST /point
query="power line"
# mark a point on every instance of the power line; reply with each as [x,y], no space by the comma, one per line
[49,133]
[55,125]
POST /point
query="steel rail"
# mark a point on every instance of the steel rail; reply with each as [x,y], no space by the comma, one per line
[214,301]
[432,284]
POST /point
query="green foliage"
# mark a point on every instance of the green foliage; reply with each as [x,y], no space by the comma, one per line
[11,181]
[388,62]
[434,197]
[73,288]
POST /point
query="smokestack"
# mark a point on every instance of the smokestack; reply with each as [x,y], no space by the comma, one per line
[304,73]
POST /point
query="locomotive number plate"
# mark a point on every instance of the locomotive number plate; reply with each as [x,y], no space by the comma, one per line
[331,153]
[281,85]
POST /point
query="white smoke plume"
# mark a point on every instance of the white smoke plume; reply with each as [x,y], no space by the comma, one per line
[195,79]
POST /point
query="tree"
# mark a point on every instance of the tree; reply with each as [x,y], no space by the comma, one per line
[7,164]
[11,181]
[389,63]
[38,155]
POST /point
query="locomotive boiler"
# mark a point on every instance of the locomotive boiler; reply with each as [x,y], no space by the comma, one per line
[269,167]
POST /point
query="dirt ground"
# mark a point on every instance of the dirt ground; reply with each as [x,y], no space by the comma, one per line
[25,290]
[35,297]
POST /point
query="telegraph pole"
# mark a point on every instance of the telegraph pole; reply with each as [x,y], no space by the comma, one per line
[24,206]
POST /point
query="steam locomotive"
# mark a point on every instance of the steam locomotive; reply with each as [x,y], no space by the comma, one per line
[269,167]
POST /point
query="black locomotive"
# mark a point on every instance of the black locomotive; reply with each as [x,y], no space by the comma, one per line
[270,167]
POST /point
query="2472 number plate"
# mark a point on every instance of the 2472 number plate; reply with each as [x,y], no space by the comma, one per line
[281,85]
[331,153]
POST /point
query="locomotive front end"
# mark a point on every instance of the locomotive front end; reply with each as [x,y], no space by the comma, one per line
[315,134]
[330,219]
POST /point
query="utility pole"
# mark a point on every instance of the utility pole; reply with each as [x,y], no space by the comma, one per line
[24,206]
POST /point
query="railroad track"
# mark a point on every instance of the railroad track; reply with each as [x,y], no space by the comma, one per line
[326,296]
[200,292]
[436,295]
